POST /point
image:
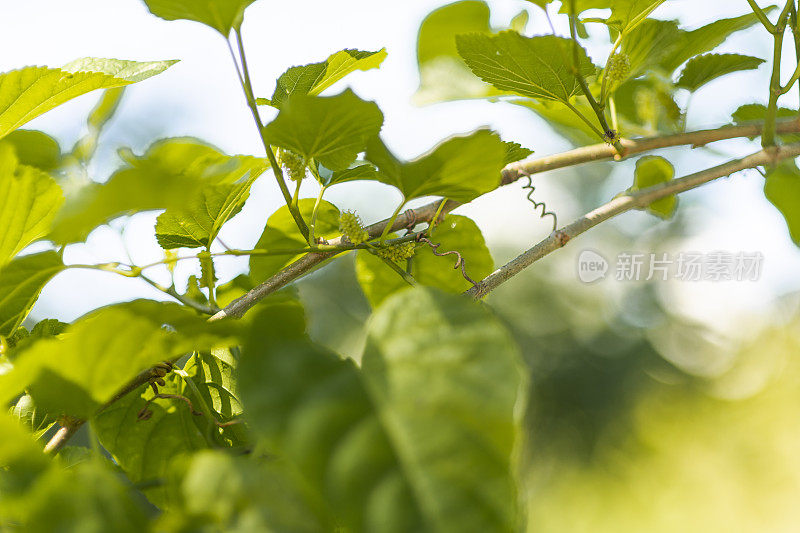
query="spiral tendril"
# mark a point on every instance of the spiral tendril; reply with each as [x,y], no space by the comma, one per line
[536,205]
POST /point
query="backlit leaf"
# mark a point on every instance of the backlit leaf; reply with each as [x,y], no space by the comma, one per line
[782,189]
[333,130]
[222,15]
[282,235]
[538,67]
[21,281]
[654,170]
[454,233]
[702,69]
[31,91]
[461,168]
[29,200]
[314,78]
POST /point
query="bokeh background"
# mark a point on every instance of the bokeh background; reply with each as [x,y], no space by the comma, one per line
[655,406]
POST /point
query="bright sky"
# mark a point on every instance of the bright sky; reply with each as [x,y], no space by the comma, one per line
[200,97]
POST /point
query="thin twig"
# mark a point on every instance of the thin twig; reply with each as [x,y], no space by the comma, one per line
[426,213]
[621,204]
[510,174]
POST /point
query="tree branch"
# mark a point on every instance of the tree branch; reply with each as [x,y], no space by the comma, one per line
[511,173]
[426,213]
[621,204]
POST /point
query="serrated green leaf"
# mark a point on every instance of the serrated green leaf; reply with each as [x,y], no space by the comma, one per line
[454,233]
[625,14]
[281,233]
[314,78]
[31,91]
[29,200]
[460,168]
[373,444]
[332,130]
[538,67]
[168,175]
[222,15]
[147,449]
[75,375]
[199,223]
[782,189]
[703,69]
[515,152]
[706,38]
[35,148]
[653,170]
[21,281]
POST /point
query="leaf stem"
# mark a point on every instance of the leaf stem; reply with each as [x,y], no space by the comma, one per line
[608,134]
[762,17]
[388,227]
[244,78]
[775,89]
[311,234]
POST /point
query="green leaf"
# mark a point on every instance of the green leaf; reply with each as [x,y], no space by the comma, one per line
[758,112]
[538,67]
[169,175]
[29,92]
[147,449]
[702,69]
[384,447]
[541,3]
[562,119]
[227,493]
[454,233]
[222,15]
[213,374]
[29,200]
[654,170]
[443,74]
[35,420]
[515,152]
[461,168]
[314,78]
[782,189]
[35,148]
[281,234]
[706,38]
[100,353]
[333,130]
[358,170]
[648,44]
[625,14]
[199,223]
[21,281]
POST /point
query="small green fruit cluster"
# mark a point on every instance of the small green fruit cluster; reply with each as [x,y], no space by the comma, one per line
[618,68]
[294,164]
[350,225]
[397,252]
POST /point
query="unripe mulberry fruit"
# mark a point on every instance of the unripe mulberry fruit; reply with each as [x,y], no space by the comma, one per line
[397,252]
[618,67]
[350,225]
[294,164]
